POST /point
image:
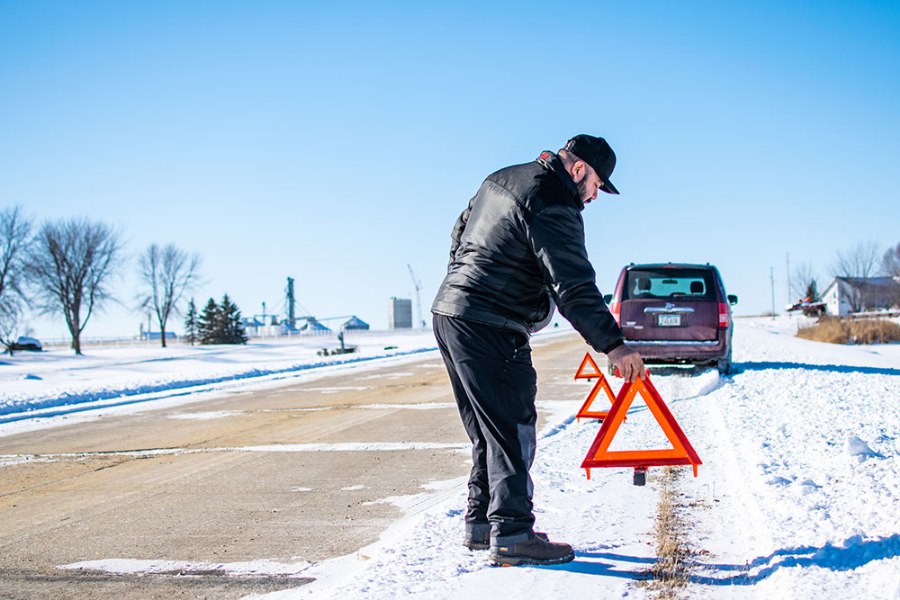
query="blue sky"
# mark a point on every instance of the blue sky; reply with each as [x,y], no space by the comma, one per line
[337,142]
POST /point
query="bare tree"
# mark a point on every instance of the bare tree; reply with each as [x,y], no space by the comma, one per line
[890,262]
[10,315]
[858,263]
[890,265]
[861,261]
[72,264]
[15,236]
[167,273]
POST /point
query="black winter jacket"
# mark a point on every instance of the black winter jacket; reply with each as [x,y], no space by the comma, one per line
[522,237]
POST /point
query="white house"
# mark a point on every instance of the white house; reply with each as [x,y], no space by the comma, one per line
[846,295]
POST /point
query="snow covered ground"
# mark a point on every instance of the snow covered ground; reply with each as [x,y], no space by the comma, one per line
[58,383]
[798,495]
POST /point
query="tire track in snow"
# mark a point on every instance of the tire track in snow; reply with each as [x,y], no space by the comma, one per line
[685,396]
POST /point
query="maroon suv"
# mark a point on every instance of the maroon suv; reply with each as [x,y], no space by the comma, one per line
[675,313]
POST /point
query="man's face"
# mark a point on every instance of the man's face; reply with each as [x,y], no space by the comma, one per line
[589,184]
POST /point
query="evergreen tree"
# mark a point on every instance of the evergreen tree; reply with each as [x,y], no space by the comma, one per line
[209,324]
[221,323]
[812,291]
[191,324]
[232,328]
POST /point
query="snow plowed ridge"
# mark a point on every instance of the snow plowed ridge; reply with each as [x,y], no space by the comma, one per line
[674,388]
[157,390]
[801,482]
[52,384]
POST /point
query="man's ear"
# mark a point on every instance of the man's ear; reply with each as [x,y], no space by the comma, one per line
[579,171]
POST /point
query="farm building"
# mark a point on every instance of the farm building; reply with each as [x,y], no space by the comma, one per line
[847,295]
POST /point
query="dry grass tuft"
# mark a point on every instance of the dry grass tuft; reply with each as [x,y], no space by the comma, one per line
[672,569]
[852,331]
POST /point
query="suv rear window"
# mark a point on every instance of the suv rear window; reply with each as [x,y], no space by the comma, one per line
[691,284]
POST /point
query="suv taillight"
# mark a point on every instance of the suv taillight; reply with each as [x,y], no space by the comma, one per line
[723,315]
[615,308]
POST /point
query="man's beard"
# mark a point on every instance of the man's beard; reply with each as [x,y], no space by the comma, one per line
[583,194]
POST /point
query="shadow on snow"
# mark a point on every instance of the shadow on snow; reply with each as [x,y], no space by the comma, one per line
[591,563]
[852,554]
[855,552]
[766,366]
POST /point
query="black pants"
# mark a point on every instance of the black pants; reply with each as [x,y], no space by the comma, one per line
[495,387]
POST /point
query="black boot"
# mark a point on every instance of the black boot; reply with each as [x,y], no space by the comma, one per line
[529,549]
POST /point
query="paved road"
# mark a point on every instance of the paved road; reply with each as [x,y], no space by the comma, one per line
[232,479]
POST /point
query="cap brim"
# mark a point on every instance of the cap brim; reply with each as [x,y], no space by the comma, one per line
[608,187]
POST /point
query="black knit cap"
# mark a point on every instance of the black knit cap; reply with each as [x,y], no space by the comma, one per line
[597,153]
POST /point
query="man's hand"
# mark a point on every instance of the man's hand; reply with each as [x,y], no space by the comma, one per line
[629,363]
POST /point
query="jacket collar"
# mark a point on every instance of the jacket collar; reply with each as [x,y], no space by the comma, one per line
[551,161]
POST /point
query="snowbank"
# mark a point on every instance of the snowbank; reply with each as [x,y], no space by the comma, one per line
[57,382]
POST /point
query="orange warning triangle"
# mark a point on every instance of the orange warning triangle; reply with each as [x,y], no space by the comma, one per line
[588,369]
[681,453]
[585,412]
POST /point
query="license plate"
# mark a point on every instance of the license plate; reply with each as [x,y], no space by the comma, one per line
[668,320]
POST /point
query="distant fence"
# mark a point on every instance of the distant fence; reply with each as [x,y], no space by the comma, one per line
[881,314]
[138,341]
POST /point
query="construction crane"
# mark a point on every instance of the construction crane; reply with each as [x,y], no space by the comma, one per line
[418,285]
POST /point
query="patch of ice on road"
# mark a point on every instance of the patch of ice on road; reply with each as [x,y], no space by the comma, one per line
[353,488]
[204,416]
[423,406]
[411,503]
[126,566]
[401,502]
[352,447]
[8,460]
[445,484]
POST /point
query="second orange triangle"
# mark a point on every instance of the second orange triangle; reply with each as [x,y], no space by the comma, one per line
[589,370]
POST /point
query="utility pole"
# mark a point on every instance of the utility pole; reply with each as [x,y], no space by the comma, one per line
[418,285]
[772,277]
[790,293]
